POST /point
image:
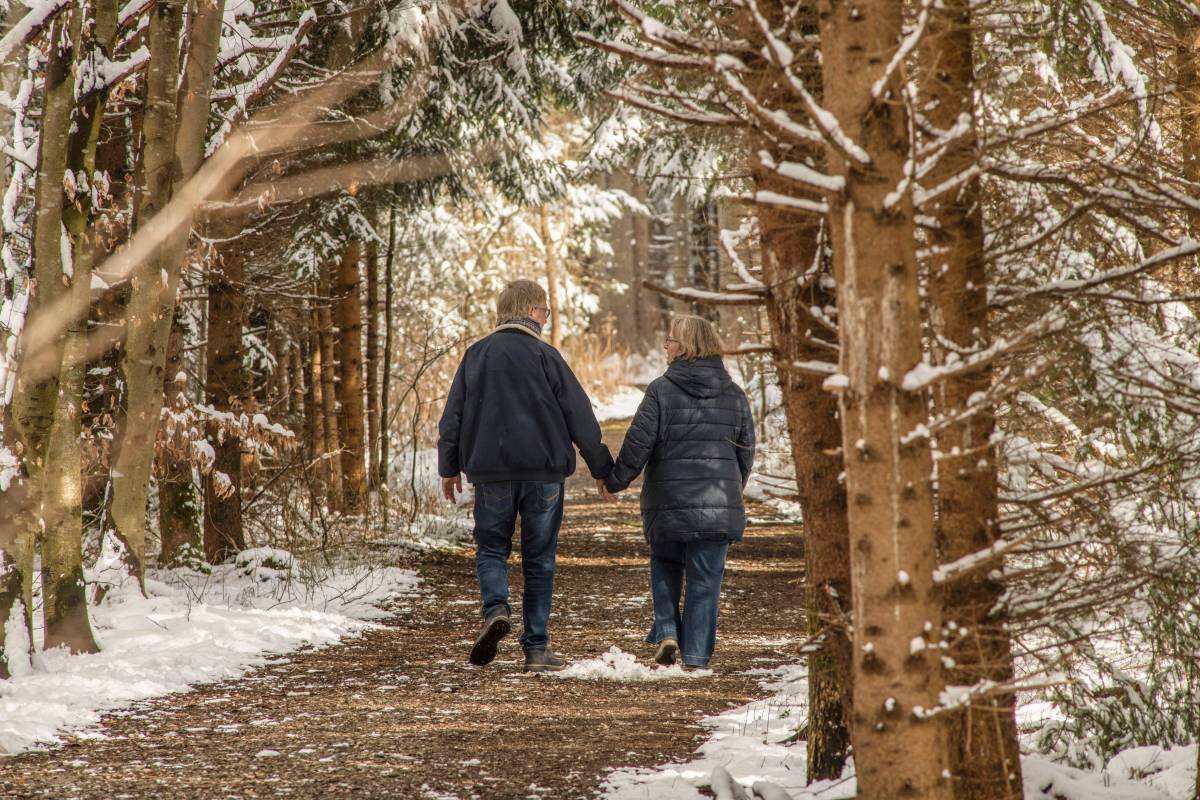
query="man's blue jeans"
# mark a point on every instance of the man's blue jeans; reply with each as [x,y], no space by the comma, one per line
[540,506]
[701,565]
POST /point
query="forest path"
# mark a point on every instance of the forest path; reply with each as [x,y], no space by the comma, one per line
[399,713]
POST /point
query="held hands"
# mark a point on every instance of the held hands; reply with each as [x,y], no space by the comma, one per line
[450,486]
[603,491]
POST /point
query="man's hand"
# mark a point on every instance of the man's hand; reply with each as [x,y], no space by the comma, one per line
[450,486]
[603,491]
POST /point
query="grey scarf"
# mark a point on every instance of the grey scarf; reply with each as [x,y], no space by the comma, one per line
[524,324]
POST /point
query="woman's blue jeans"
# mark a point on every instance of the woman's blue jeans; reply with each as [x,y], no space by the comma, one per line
[699,566]
[497,506]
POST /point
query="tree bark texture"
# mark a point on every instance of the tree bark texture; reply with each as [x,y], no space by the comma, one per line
[350,395]
[985,758]
[226,391]
[792,265]
[896,609]
[31,414]
[152,297]
[705,263]
[372,366]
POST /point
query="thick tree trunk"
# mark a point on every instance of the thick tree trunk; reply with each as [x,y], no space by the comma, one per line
[333,465]
[551,253]
[985,759]
[31,413]
[226,391]
[64,593]
[179,521]
[152,296]
[793,267]
[373,366]
[896,610]
[350,395]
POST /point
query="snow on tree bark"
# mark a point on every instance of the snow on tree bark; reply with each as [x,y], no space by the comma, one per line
[31,414]
[898,752]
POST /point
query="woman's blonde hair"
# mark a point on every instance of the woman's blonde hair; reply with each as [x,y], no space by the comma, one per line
[696,336]
[517,298]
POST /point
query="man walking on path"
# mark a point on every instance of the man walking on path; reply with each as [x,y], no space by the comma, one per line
[512,414]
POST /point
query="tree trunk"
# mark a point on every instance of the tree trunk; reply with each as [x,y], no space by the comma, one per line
[179,520]
[64,593]
[984,756]
[791,246]
[551,252]
[1187,88]
[350,396]
[647,332]
[373,366]
[152,297]
[31,413]
[896,609]
[316,406]
[225,390]
[385,389]
[297,406]
[333,466]
[705,265]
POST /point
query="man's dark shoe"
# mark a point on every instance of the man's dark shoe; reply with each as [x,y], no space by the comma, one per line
[665,654]
[495,628]
[540,659]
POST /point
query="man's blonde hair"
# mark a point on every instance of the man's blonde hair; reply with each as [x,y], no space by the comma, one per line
[517,298]
[697,337]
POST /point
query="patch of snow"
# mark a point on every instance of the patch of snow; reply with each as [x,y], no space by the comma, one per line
[621,405]
[617,665]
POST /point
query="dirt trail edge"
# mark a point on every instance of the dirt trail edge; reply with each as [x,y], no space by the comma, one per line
[399,713]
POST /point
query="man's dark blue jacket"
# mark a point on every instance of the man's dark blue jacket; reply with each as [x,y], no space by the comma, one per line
[514,409]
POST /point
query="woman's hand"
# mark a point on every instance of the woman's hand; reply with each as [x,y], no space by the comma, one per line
[603,491]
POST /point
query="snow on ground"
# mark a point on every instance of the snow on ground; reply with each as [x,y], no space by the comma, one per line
[617,665]
[754,744]
[190,628]
[622,405]
[750,741]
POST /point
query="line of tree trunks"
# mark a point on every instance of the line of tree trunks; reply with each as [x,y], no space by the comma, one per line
[898,752]
[350,394]
[793,266]
[984,757]
[225,390]
[31,414]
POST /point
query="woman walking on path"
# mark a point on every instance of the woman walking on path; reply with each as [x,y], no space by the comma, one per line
[694,436]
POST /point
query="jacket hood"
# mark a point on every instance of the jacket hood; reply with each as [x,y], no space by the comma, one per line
[701,377]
